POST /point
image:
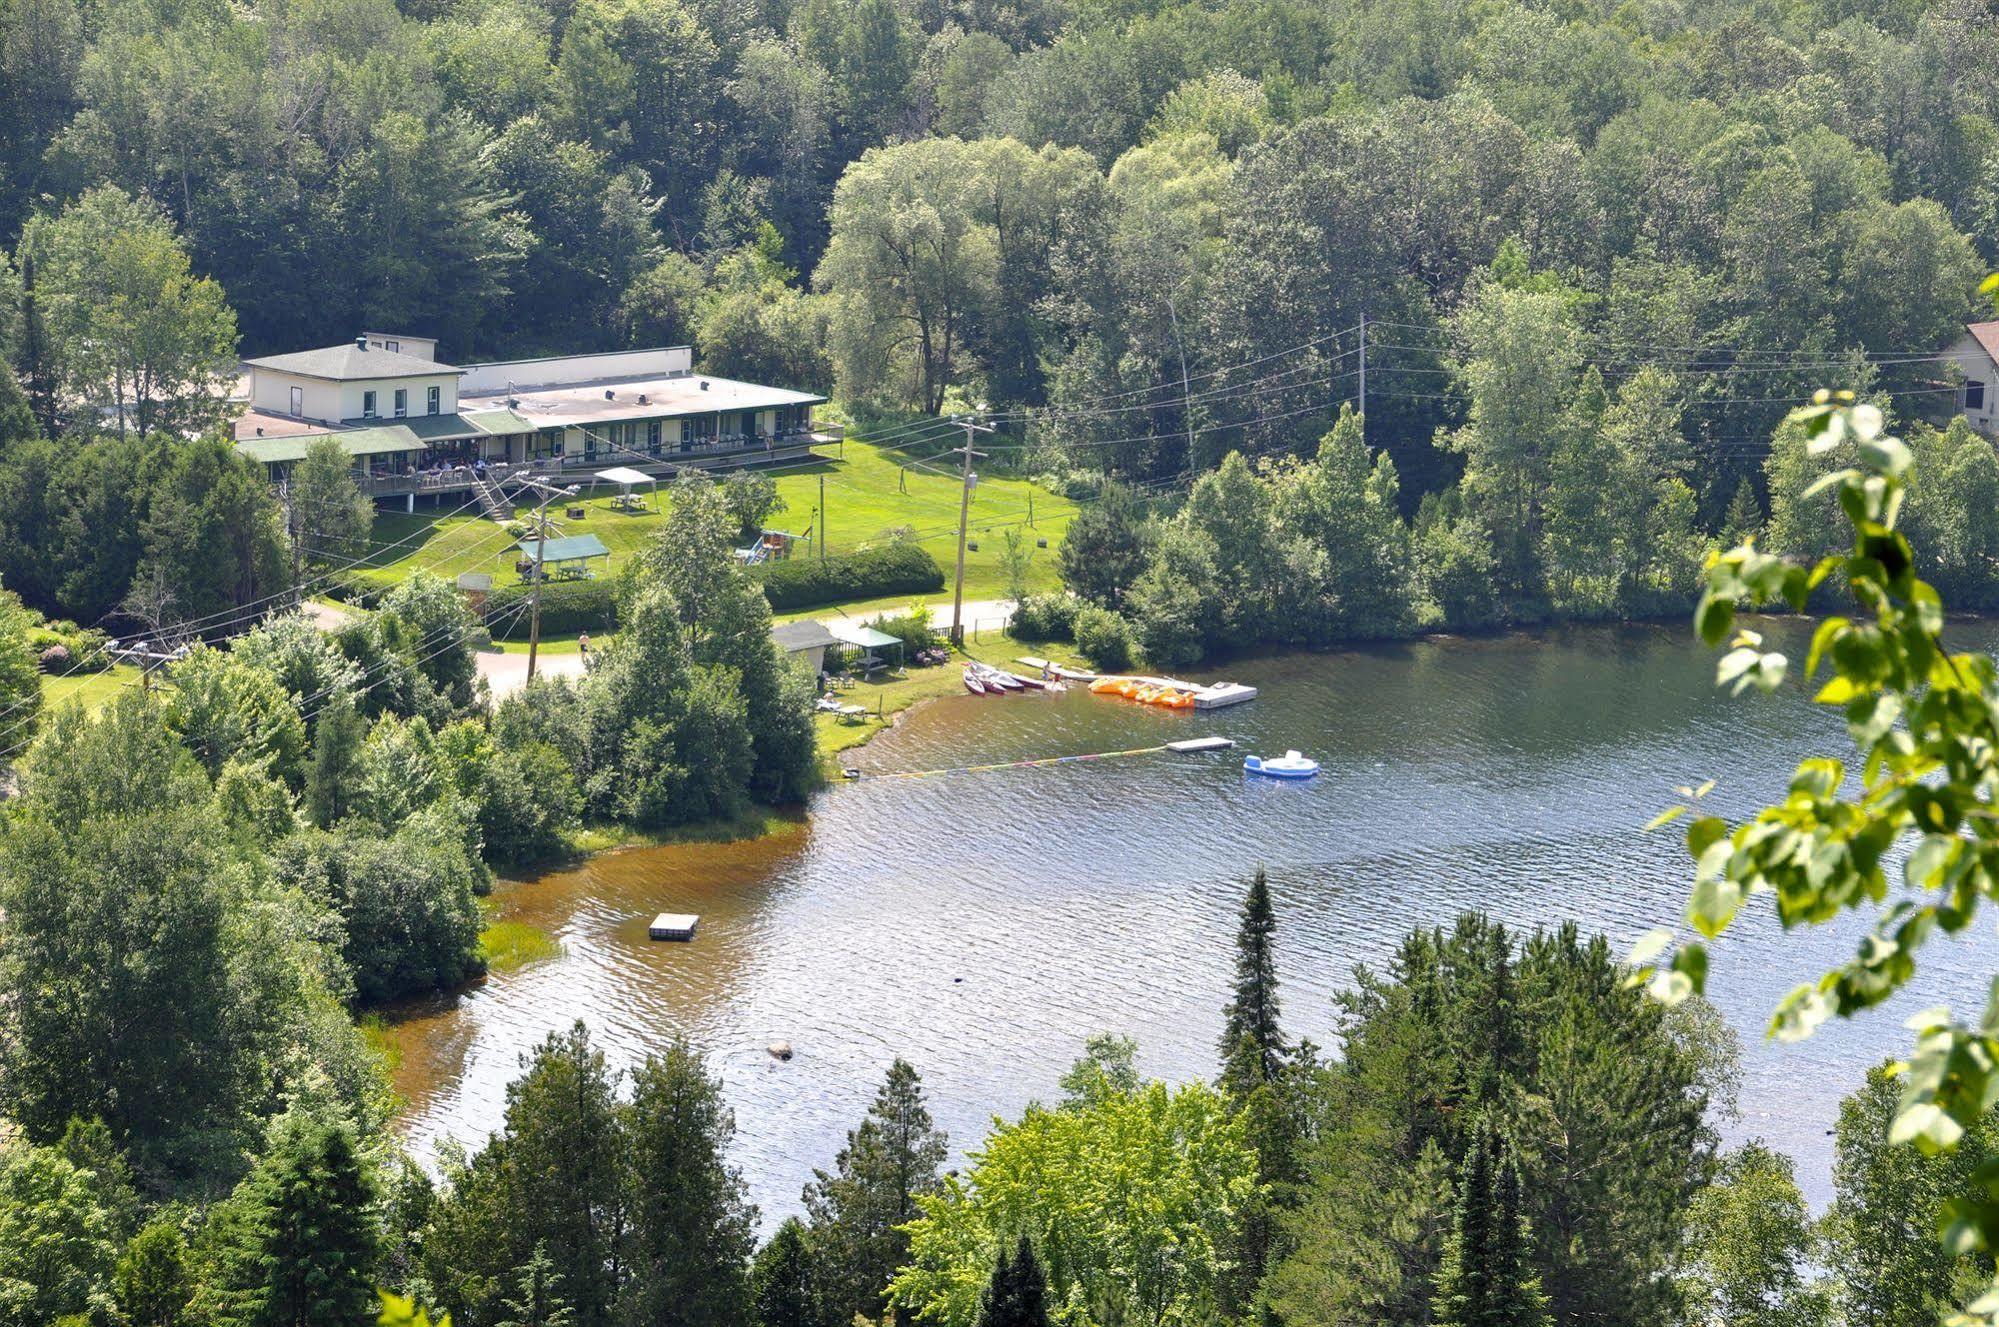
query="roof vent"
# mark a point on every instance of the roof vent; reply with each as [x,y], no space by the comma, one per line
[361,342]
[644,399]
[260,430]
[610,395]
[704,384]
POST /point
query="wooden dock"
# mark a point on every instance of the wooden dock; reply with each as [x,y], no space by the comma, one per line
[673,926]
[1201,744]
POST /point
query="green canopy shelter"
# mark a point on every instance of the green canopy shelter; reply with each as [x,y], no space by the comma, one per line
[568,557]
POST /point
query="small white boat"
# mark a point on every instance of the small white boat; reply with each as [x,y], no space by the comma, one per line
[1290,765]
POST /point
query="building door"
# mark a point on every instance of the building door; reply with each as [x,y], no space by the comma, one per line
[298,402]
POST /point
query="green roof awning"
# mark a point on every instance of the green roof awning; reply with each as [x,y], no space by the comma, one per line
[865,637]
[497,421]
[355,442]
[573,548]
[441,428]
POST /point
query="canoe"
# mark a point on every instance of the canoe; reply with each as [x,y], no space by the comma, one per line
[1290,765]
[973,685]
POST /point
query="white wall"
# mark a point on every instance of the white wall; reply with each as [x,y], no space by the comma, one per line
[565,370]
[1977,366]
[271,390]
[385,395]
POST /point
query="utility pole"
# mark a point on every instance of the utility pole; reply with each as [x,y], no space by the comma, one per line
[295,526]
[964,515]
[548,492]
[822,520]
[1186,394]
[1363,377]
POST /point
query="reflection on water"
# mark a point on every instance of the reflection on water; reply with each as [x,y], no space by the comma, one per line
[981,925]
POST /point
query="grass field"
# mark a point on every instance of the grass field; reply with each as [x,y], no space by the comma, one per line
[91,690]
[869,495]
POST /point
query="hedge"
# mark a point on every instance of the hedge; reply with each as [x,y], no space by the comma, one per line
[566,607]
[872,573]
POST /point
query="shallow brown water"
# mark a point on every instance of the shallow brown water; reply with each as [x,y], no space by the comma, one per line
[981,925]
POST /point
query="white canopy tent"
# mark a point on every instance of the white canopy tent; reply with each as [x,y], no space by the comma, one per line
[628,479]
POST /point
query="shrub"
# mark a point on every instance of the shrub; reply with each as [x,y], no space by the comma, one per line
[566,607]
[911,627]
[1045,617]
[896,568]
[55,659]
[82,647]
[1104,638]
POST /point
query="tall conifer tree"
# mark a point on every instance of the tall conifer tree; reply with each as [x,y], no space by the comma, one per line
[1252,1014]
[1487,1278]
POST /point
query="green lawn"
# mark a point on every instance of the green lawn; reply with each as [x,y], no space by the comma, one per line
[869,494]
[91,690]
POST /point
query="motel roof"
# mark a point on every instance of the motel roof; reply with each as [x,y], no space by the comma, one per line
[347,362]
[355,442]
[620,399]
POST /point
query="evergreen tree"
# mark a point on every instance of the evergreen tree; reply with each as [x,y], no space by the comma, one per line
[857,1211]
[1018,1293]
[784,1282]
[537,1301]
[1487,1278]
[550,1178]
[336,755]
[1104,549]
[690,1231]
[152,1282]
[1253,1011]
[298,1242]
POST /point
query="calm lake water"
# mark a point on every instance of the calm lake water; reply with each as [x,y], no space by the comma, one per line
[981,925]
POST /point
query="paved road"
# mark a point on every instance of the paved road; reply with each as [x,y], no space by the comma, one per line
[508,673]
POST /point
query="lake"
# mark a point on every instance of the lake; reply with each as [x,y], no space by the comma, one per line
[981,925]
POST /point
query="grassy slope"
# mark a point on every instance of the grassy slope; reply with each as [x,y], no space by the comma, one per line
[868,494]
[91,690]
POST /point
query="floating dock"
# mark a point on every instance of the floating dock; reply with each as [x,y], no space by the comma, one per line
[673,926]
[1171,692]
[1201,744]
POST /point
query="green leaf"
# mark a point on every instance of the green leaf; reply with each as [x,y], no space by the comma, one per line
[1704,833]
[1714,617]
[1649,946]
[1713,905]
[1665,817]
[1691,961]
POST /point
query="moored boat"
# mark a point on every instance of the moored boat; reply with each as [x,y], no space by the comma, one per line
[1290,765]
[972,683]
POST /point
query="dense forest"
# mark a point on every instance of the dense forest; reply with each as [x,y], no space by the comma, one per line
[1576,248]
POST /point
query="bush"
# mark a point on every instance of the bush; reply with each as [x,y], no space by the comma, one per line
[911,627]
[1104,638]
[897,568]
[82,648]
[566,607]
[1045,617]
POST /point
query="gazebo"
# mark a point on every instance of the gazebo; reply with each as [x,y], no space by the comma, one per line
[568,557]
[867,639]
[628,479]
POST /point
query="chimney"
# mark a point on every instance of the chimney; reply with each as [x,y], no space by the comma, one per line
[361,342]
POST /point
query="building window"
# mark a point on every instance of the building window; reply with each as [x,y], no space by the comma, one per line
[402,402]
[393,347]
[652,437]
[298,402]
[1974,394]
[435,396]
[367,405]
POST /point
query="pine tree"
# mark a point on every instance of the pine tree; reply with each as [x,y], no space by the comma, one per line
[1018,1293]
[784,1283]
[1744,517]
[1252,1013]
[1486,1278]
[152,1281]
[856,1212]
[537,1299]
[336,751]
[299,1242]
[691,1231]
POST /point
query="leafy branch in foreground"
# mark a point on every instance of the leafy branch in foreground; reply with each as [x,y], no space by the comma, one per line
[1925,722]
